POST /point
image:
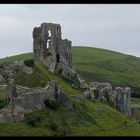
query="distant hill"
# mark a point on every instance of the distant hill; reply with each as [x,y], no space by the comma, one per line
[95,64]
[119,69]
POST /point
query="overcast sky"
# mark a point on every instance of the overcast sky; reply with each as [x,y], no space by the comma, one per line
[110,26]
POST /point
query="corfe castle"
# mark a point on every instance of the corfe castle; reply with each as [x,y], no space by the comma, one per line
[50,49]
[55,54]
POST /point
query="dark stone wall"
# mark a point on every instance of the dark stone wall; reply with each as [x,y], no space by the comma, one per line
[49,47]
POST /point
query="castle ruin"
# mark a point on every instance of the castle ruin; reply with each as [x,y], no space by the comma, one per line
[55,53]
[50,48]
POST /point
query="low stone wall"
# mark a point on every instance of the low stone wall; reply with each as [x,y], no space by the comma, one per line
[22,100]
[10,70]
[119,99]
[65,71]
[72,75]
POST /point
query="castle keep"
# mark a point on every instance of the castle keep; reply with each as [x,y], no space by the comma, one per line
[50,48]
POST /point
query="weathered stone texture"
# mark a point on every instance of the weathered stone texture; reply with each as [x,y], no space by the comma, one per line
[23,100]
[19,65]
[18,113]
[123,100]
[2,80]
[10,70]
[101,89]
[6,116]
[55,53]
[89,93]
[50,48]
[63,98]
[119,99]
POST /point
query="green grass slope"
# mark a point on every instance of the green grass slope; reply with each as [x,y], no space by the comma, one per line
[39,78]
[87,119]
[10,59]
[95,64]
[91,119]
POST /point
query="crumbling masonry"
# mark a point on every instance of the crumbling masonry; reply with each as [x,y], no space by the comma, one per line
[50,48]
[119,98]
[22,100]
[55,53]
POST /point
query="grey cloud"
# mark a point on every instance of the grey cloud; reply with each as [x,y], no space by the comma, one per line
[114,27]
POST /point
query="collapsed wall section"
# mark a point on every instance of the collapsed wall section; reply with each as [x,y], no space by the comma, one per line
[119,98]
[22,100]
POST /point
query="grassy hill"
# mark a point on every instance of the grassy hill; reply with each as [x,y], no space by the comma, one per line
[88,119]
[102,65]
[25,56]
[94,64]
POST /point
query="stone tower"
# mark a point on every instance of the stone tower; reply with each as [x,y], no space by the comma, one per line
[50,48]
[123,100]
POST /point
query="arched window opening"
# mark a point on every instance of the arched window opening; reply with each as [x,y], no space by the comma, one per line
[48,43]
[57,58]
[49,33]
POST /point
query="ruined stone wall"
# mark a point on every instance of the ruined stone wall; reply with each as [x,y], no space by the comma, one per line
[22,100]
[119,99]
[123,100]
[10,70]
[49,47]
[30,99]
[66,71]
[65,54]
